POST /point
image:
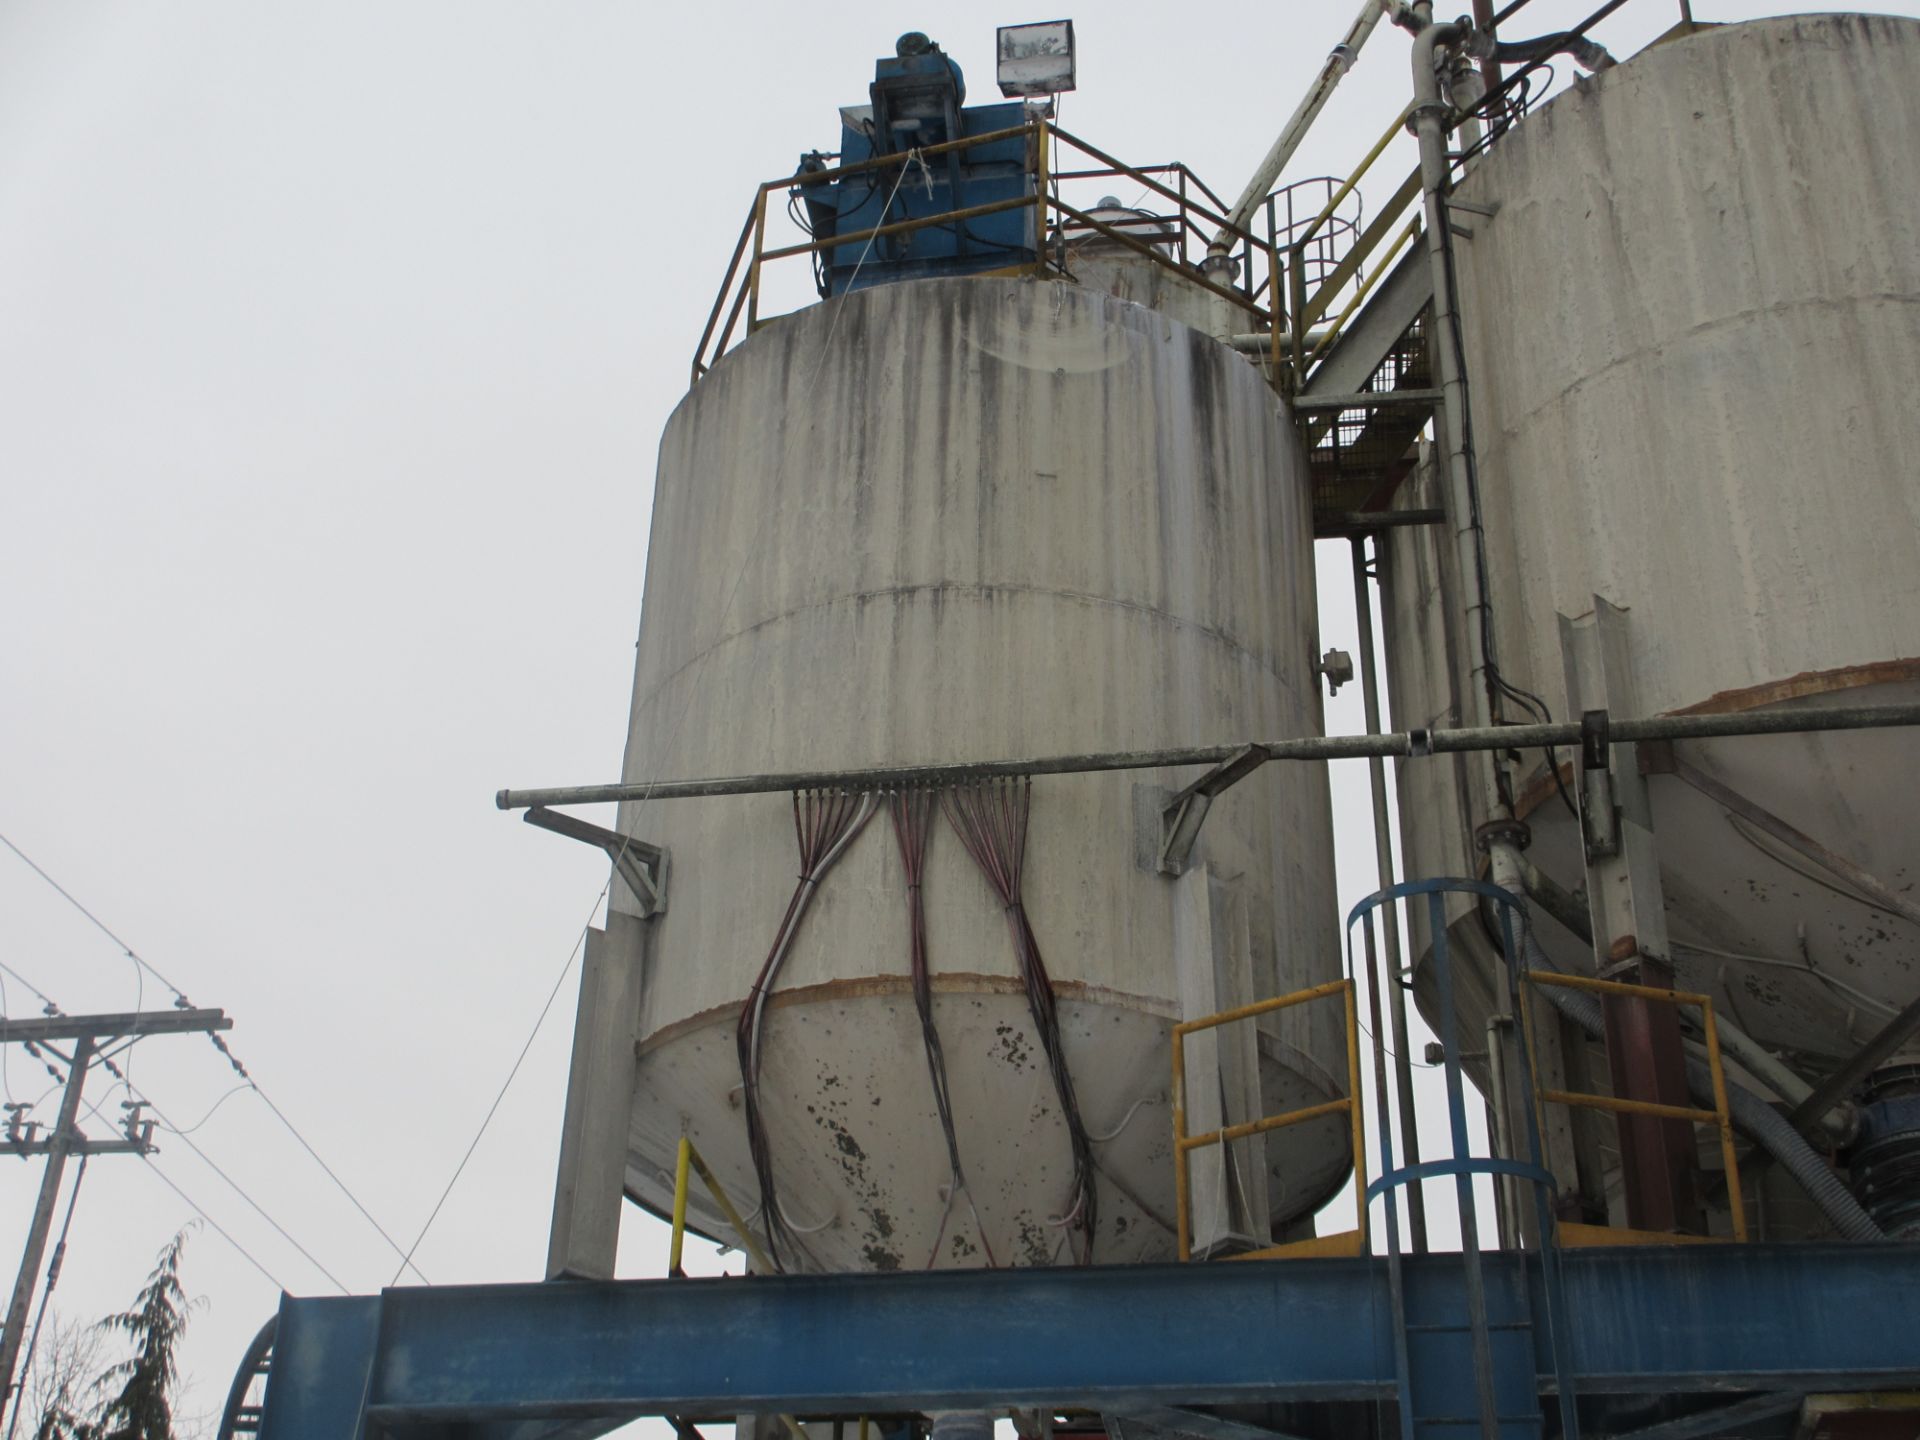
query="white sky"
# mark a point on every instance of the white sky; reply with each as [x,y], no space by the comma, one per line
[337,342]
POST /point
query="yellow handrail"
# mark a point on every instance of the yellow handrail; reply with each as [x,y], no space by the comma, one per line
[1352,1242]
[1719,1116]
[743,280]
[688,1156]
[1364,289]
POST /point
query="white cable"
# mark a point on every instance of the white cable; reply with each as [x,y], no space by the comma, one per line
[1127,1119]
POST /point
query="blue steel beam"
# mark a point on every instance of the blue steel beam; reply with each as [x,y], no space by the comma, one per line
[1646,1321]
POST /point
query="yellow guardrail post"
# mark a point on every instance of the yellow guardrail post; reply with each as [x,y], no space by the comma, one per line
[1182,1197]
[759,249]
[1720,1117]
[1352,1242]
[1735,1201]
[675,1250]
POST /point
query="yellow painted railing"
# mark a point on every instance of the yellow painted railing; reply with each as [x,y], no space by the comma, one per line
[1351,1242]
[690,1159]
[1719,1116]
[1194,222]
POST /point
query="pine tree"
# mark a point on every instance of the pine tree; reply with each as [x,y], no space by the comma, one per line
[142,1409]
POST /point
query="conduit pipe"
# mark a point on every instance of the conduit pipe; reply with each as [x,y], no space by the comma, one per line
[1339,61]
[1308,748]
[1389,975]
[1750,1114]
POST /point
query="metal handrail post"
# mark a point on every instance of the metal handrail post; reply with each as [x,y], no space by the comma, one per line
[753,273]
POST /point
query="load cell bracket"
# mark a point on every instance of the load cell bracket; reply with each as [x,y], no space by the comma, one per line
[642,866]
[1180,821]
[1599,811]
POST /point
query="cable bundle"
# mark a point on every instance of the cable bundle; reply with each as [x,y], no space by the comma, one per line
[991,820]
[912,812]
[825,823]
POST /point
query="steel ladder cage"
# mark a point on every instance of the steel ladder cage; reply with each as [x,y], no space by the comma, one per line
[1463,1165]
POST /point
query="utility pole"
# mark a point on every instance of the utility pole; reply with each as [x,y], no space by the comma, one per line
[86,1032]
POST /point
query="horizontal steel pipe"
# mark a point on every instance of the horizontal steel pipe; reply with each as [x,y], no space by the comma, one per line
[1311,748]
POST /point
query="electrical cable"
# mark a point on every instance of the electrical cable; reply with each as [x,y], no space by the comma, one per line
[990,818]
[236,1090]
[51,1008]
[912,812]
[218,1228]
[1497,683]
[192,1204]
[237,1189]
[181,1002]
[406,1261]
[825,823]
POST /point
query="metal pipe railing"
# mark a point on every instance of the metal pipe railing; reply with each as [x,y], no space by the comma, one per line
[1348,1105]
[1315,748]
[742,280]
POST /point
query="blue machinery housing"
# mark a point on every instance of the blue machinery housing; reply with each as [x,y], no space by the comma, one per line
[917,102]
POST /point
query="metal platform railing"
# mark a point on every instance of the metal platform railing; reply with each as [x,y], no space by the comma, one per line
[1192,221]
[1349,1242]
[1571,1233]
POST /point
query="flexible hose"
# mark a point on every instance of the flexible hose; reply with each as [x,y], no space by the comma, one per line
[1753,1116]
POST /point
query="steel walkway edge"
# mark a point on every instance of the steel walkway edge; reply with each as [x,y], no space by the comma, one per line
[1828,1317]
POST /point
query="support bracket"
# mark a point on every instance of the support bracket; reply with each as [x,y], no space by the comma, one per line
[642,866]
[1599,811]
[1181,820]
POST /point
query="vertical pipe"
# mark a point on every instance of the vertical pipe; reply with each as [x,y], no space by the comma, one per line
[1483,22]
[1383,862]
[1356,1116]
[1430,116]
[1507,1209]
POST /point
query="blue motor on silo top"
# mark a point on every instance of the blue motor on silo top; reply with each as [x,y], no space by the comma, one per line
[917,101]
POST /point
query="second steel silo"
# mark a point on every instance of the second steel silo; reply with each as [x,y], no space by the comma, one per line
[1690,303]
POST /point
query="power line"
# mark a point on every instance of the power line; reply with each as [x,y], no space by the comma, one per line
[194,1205]
[51,1007]
[239,1068]
[98,923]
[218,1228]
[234,1185]
[487,1120]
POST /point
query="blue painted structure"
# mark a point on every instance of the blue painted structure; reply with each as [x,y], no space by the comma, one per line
[1650,1322]
[917,101]
[1499,1343]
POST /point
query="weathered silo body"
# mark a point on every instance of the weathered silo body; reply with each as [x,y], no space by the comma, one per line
[969,519]
[1691,307]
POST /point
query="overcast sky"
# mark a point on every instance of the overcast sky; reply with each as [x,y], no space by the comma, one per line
[335,344]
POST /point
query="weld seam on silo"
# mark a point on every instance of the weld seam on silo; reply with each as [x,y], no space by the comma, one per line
[1750,1114]
[824,826]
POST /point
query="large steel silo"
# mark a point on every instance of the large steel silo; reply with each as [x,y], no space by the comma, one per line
[963,519]
[1690,291]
